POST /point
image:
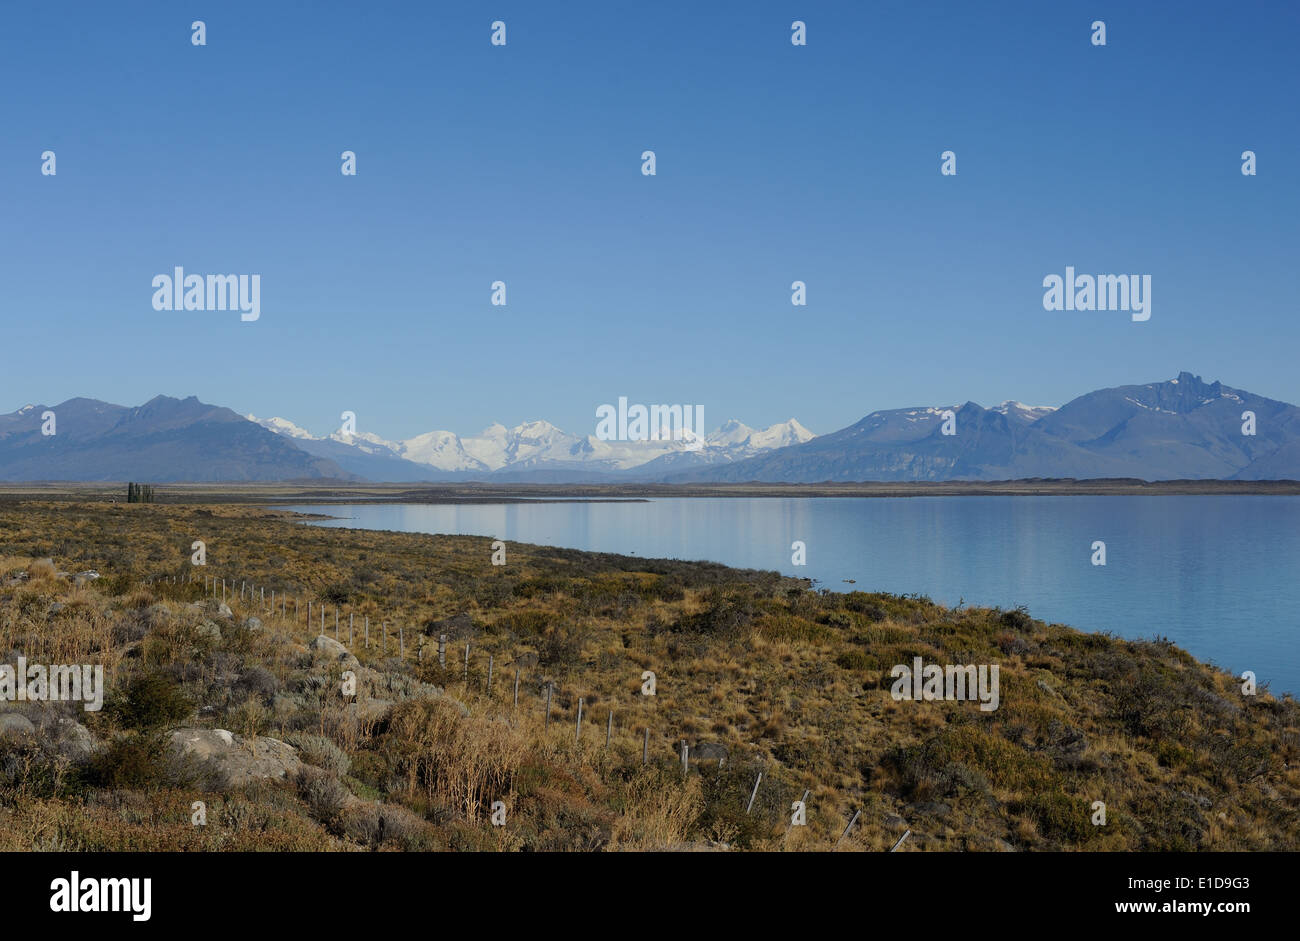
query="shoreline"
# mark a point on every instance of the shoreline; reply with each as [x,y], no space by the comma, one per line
[486,493]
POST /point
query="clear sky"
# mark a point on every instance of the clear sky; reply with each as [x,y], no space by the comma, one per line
[522,163]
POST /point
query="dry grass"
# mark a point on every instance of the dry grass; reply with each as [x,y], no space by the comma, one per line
[792,683]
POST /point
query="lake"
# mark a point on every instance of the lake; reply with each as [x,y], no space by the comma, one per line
[1218,575]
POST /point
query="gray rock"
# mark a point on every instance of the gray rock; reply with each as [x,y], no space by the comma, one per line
[209,630]
[213,608]
[15,725]
[238,760]
[252,623]
[333,650]
[74,740]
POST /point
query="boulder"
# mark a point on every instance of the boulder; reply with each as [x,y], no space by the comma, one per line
[252,623]
[239,761]
[14,725]
[331,649]
[73,739]
[213,608]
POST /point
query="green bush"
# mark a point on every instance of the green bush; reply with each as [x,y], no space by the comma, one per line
[150,701]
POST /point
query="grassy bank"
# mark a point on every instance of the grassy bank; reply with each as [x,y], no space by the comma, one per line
[750,666]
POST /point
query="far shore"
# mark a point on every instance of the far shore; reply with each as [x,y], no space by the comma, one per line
[333,491]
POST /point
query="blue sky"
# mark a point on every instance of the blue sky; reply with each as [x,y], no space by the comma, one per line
[522,163]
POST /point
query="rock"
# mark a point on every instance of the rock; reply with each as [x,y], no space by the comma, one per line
[74,740]
[14,725]
[895,822]
[84,578]
[209,630]
[252,623]
[56,607]
[213,608]
[333,650]
[707,751]
[238,760]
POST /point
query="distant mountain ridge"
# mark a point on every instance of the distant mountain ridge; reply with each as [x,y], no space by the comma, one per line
[533,447]
[166,439]
[1180,429]
[1184,428]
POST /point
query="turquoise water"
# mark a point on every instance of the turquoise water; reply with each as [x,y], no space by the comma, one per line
[1218,575]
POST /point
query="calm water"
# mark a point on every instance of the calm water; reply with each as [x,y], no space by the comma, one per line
[1218,575]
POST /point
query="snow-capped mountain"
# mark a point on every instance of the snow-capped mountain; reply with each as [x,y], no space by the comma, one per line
[532,446]
[1021,410]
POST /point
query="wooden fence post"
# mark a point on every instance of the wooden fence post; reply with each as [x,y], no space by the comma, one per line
[753,793]
[852,821]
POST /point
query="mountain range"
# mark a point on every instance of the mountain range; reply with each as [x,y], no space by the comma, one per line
[1183,428]
[533,450]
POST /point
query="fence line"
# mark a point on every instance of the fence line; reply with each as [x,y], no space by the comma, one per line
[217,587]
